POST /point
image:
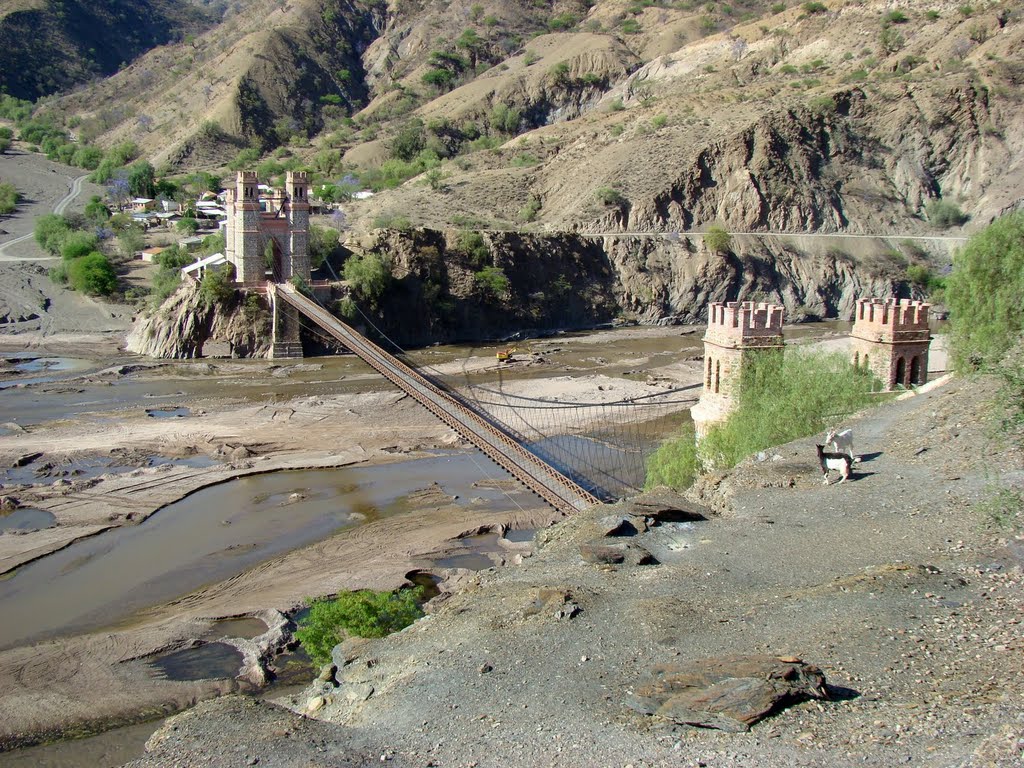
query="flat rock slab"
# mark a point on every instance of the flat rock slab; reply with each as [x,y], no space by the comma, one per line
[728,693]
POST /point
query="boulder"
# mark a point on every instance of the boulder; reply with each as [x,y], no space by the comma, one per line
[664,506]
[729,693]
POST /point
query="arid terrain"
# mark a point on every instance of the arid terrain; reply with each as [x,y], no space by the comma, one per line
[897,585]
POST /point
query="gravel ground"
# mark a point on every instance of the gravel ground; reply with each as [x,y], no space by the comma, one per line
[895,585]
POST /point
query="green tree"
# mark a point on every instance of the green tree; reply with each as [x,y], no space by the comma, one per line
[50,231]
[360,614]
[187,226]
[142,179]
[324,243]
[9,198]
[369,276]
[409,140]
[131,240]
[77,244]
[92,274]
[218,285]
[96,211]
[491,282]
[985,294]
[717,240]
[505,119]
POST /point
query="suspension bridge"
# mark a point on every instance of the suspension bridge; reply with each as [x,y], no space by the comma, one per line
[572,456]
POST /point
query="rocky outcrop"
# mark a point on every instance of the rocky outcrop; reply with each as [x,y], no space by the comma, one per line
[186,326]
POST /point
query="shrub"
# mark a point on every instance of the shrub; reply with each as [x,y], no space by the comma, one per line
[778,7]
[92,274]
[659,121]
[674,464]
[50,231]
[505,119]
[9,197]
[814,7]
[77,244]
[492,282]
[360,614]
[943,214]
[217,285]
[187,226]
[609,196]
[895,17]
[985,294]
[781,397]
[369,276]
[631,27]
[717,240]
[890,40]
[529,211]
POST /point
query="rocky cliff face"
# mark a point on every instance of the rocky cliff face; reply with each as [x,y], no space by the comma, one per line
[185,326]
[440,291]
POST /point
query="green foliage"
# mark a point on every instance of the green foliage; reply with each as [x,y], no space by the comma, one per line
[814,7]
[474,248]
[50,231]
[943,214]
[631,27]
[441,79]
[359,614]
[529,211]
[890,40]
[505,119]
[659,121]
[368,276]
[609,196]
[77,244]
[895,17]
[244,159]
[717,240]
[142,179]
[781,397]
[187,226]
[323,244]
[92,274]
[217,285]
[392,221]
[131,239]
[674,464]
[9,198]
[409,141]
[563,22]
[96,211]
[168,275]
[985,294]
[492,282]
[778,7]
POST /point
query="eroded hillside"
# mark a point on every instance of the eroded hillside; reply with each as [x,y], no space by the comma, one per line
[642,116]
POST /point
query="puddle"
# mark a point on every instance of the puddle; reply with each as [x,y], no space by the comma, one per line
[472,553]
[213,661]
[26,519]
[291,669]
[244,628]
[521,536]
[168,413]
[111,749]
[55,369]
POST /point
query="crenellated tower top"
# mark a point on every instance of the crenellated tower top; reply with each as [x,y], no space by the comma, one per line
[891,320]
[744,324]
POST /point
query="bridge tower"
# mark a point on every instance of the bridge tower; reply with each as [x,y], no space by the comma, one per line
[244,232]
[736,333]
[891,338]
[297,213]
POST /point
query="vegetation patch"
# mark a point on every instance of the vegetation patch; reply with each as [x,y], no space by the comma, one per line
[356,614]
[781,398]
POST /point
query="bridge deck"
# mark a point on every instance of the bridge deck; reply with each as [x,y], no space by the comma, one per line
[537,475]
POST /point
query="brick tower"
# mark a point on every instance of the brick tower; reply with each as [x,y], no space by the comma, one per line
[278,224]
[297,212]
[736,331]
[243,233]
[891,338]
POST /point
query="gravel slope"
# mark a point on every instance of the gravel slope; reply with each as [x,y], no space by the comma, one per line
[903,594]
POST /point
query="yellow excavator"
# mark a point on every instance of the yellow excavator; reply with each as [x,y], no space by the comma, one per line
[505,355]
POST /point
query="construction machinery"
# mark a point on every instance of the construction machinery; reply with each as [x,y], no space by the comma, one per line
[505,355]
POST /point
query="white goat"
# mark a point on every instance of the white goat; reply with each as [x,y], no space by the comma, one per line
[840,442]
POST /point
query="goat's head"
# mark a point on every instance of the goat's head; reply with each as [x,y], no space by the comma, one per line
[830,436]
[820,449]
